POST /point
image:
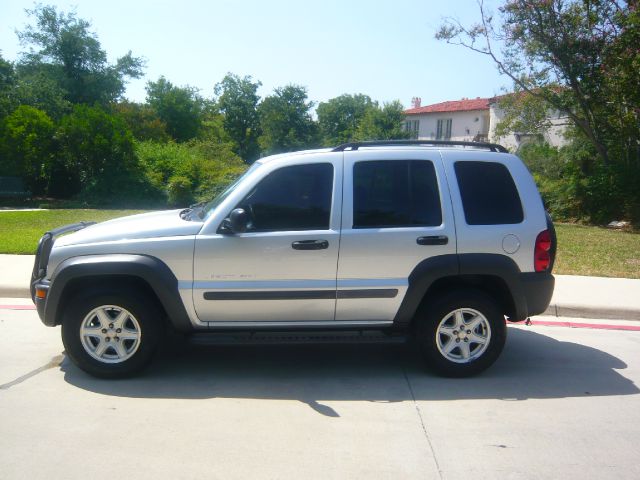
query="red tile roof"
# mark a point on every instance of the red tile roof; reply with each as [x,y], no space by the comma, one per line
[463,105]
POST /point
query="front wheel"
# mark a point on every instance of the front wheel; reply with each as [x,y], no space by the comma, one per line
[461,334]
[111,335]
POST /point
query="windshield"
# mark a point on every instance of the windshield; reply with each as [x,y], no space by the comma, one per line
[210,207]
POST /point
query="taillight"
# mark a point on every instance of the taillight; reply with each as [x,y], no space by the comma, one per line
[542,255]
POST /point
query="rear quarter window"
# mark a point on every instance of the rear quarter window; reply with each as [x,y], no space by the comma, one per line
[489,194]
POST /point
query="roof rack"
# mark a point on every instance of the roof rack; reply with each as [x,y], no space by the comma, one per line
[494,147]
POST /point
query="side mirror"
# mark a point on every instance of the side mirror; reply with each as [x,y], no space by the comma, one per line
[238,220]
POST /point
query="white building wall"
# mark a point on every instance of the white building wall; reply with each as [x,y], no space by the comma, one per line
[554,136]
[464,125]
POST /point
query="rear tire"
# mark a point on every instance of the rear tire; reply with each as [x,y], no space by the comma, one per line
[461,334]
[111,335]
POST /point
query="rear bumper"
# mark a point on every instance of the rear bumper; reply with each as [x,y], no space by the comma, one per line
[537,290]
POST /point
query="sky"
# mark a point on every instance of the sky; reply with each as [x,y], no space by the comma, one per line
[384,49]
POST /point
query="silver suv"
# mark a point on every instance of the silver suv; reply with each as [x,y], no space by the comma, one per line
[371,241]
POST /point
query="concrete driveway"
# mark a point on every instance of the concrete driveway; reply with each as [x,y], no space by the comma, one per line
[560,403]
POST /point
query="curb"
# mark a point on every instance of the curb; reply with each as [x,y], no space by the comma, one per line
[581,311]
[14,292]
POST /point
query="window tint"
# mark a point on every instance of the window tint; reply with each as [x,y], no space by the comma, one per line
[395,193]
[291,198]
[489,196]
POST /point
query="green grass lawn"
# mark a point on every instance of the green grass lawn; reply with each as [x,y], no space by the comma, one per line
[582,250]
[20,231]
[597,251]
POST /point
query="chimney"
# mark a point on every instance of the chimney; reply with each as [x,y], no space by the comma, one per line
[416,102]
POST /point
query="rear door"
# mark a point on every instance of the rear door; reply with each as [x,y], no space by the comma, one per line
[396,213]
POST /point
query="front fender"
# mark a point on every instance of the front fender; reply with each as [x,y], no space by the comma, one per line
[153,271]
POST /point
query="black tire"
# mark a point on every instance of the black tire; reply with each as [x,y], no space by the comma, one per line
[428,339]
[149,325]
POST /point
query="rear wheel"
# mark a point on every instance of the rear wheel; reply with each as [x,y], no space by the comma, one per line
[111,335]
[461,334]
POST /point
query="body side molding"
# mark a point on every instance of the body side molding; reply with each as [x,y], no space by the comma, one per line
[302,294]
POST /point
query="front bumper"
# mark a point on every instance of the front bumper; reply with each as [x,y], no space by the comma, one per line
[38,283]
[41,302]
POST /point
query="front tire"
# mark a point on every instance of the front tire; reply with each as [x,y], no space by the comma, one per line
[461,334]
[111,335]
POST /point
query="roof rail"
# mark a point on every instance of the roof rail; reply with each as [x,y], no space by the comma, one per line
[494,147]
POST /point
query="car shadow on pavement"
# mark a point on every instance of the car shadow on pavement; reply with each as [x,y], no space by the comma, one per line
[532,365]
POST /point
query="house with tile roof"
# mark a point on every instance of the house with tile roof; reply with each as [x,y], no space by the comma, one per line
[461,120]
[473,120]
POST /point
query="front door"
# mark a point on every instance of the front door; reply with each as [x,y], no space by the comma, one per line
[283,268]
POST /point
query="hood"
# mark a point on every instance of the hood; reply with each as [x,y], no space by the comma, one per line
[166,223]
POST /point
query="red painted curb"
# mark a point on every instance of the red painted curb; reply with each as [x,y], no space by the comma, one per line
[596,326]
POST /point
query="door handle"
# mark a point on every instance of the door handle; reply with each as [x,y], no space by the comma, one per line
[433,240]
[310,245]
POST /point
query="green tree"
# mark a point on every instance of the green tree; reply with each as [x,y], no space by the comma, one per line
[7,85]
[383,123]
[97,153]
[26,146]
[189,171]
[180,108]
[579,58]
[285,121]
[41,91]
[142,120]
[62,47]
[237,100]
[523,112]
[339,117]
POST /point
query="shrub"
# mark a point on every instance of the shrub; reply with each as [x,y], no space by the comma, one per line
[26,146]
[575,185]
[206,167]
[179,191]
[98,161]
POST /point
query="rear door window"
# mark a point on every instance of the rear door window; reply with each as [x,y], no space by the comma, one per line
[395,193]
[489,195]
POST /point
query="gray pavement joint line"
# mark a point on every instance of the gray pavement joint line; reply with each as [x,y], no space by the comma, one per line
[54,362]
[424,427]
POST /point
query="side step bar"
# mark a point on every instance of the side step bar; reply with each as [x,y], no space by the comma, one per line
[296,338]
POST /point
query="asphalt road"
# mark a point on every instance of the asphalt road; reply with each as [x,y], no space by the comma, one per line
[560,403]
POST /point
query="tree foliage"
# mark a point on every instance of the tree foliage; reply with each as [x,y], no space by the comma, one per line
[26,146]
[190,171]
[7,85]
[180,108]
[339,117]
[238,102]
[382,123]
[66,129]
[142,120]
[40,90]
[580,58]
[97,151]
[286,122]
[64,49]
